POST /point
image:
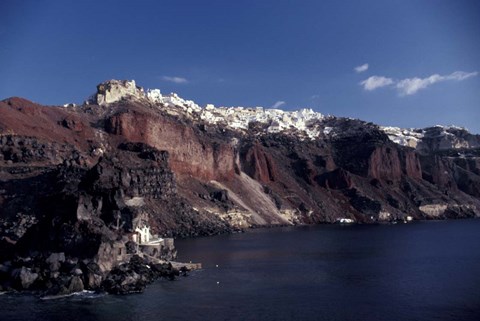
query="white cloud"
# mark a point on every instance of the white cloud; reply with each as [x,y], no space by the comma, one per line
[374,82]
[361,68]
[278,104]
[410,86]
[176,80]
[461,75]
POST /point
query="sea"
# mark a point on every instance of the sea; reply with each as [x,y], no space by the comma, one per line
[415,271]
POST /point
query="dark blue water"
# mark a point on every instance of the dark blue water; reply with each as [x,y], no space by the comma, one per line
[418,271]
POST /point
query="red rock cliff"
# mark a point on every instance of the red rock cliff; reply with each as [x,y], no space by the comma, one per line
[384,164]
[189,153]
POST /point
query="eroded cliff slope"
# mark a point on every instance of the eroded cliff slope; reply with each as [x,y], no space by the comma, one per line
[75,177]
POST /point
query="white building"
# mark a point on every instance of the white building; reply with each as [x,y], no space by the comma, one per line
[142,235]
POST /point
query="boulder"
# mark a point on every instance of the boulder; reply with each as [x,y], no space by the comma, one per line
[24,277]
[92,275]
[75,285]
[77,271]
[55,261]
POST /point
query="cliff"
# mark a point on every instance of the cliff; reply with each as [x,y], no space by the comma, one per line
[79,180]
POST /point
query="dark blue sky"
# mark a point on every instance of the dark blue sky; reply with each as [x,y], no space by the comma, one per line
[255,53]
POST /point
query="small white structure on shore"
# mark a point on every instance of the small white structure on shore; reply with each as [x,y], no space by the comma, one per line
[345,220]
[142,235]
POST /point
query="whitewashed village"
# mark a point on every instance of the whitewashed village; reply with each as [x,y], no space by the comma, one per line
[237,118]
[304,122]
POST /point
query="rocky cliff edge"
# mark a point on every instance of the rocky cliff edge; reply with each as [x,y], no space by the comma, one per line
[78,179]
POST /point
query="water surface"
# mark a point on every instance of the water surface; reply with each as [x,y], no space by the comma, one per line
[418,271]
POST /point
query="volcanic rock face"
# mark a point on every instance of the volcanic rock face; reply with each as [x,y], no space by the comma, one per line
[76,180]
[192,152]
[258,164]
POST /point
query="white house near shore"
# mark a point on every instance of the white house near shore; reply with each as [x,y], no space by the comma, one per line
[142,235]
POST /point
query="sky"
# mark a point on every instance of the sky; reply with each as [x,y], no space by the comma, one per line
[395,63]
